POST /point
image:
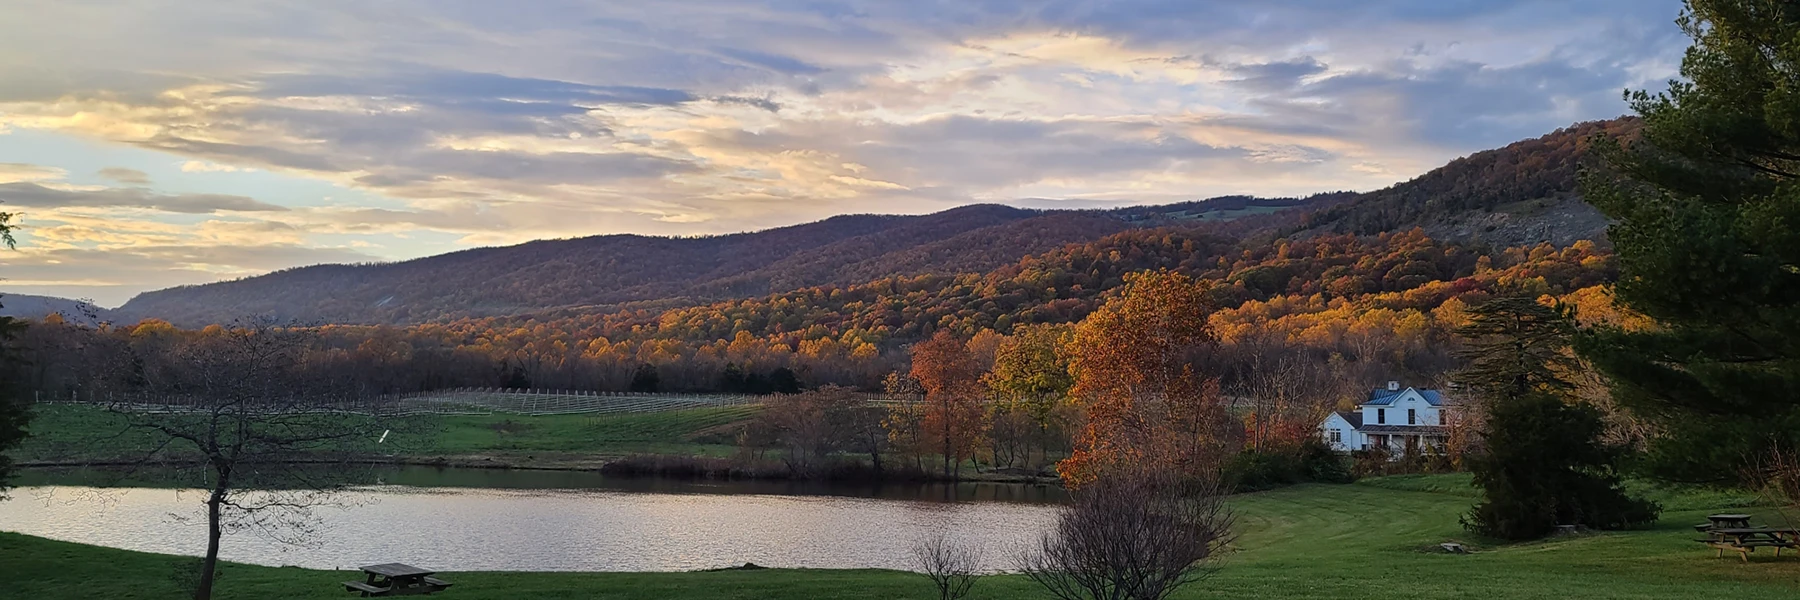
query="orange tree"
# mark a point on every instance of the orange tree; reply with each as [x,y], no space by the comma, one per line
[1145,406]
[951,378]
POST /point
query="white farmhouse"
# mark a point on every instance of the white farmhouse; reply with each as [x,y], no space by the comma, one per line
[1395,418]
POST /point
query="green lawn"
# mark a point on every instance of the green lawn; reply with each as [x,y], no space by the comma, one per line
[1366,540]
[694,432]
[73,433]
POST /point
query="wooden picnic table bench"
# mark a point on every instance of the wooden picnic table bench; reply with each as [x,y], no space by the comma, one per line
[395,579]
[1745,540]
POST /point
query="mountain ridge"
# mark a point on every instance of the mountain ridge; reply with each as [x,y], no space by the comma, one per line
[618,269]
[1519,194]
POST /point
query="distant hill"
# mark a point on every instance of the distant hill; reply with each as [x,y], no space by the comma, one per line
[1521,194]
[26,306]
[615,270]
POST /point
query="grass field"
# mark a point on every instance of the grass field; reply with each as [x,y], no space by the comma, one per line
[62,433]
[693,432]
[1367,540]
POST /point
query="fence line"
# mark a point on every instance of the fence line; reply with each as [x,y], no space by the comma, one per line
[468,401]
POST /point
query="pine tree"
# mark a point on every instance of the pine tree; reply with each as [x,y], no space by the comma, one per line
[645,379]
[1707,232]
[14,412]
[783,380]
[1545,463]
[1544,467]
[1515,345]
[731,381]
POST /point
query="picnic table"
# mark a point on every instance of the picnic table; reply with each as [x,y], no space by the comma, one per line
[1729,521]
[395,579]
[1745,540]
[1723,521]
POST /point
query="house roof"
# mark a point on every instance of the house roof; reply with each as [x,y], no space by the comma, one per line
[1353,417]
[1384,396]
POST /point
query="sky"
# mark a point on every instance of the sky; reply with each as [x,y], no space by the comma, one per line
[153,143]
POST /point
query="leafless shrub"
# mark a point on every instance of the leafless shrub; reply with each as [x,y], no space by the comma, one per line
[1781,470]
[950,564]
[1131,537]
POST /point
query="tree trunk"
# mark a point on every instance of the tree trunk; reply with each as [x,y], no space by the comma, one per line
[947,442]
[875,455]
[210,565]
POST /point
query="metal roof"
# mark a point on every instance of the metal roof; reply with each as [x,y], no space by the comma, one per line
[1384,396]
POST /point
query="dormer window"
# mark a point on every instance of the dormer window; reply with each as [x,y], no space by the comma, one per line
[1412,416]
[1380,416]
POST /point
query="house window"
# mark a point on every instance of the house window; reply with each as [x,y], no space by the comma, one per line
[1412,416]
[1380,416]
[1337,437]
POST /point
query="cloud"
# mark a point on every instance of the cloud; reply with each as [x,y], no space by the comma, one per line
[201,166]
[777,63]
[111,276]
[483,123]
[16,172]
[33,195]
[1277,76]
[477,92]
[124,175]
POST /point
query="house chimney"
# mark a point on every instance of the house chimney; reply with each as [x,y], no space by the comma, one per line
[1393,386]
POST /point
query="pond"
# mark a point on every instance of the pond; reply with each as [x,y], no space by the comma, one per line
[478,520]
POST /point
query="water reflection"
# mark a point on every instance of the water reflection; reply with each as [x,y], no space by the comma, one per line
[455,519]
[425,476]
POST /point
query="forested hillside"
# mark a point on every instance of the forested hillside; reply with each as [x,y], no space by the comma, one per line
[842,300]
[1370,307]
[27,306]
[605,272]
[1519,195]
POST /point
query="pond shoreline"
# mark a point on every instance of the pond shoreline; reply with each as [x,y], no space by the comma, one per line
[495,520]
[573,463]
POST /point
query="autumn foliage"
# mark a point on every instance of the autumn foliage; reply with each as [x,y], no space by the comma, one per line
[953,417]
[1144,403]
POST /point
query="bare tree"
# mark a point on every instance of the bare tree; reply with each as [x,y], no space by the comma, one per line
[802,426]
[1284,386]
[1131,537]
[232,406]
[859,423]
[1780,470]
[951,565]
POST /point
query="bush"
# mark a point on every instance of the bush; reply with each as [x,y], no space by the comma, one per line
[1379,462]
[1138,536]
[1251,470]
[696,467]
[1324,465]
[686,467]
[1310,460]
[1545,467]
[1372,462]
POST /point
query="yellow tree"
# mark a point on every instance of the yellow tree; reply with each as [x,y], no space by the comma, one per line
[1144,405]
[951,377]
[905,419]
[1030,377]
